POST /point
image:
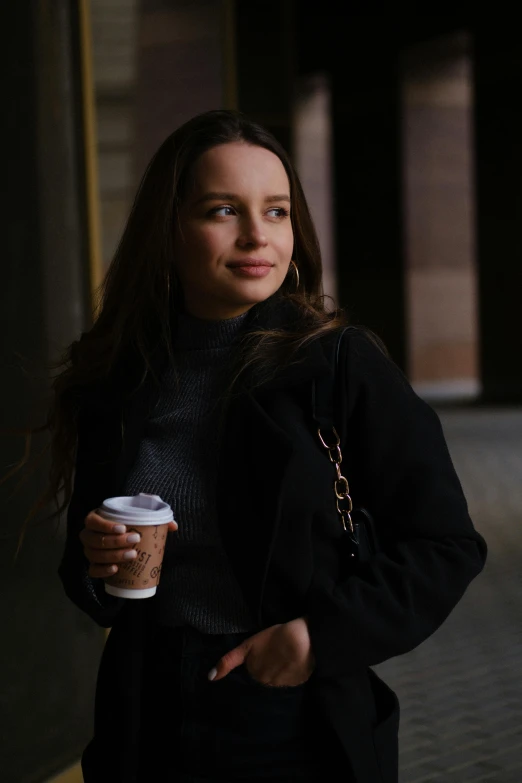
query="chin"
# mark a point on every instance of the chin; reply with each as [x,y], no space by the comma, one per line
[255,292]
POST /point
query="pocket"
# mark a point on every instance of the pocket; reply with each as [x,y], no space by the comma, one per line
[276,690]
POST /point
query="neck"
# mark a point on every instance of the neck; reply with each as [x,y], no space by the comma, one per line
[193,333]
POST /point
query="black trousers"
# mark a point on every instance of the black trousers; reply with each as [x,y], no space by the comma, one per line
[235,729]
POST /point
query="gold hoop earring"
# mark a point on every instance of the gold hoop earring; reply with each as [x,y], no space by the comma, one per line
[296,271]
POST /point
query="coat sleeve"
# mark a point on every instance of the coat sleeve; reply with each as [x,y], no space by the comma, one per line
[88,493]
[400,468]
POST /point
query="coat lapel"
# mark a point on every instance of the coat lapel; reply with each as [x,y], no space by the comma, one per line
[256,452]
[254,458]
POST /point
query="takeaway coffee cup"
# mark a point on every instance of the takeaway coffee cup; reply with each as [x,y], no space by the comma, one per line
[149,516]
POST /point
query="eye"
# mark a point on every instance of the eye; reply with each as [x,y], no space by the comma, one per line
[279,212]
[224,211]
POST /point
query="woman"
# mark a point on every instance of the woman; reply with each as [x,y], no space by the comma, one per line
[252,660]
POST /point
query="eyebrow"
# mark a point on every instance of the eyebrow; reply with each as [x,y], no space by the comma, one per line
[213,196]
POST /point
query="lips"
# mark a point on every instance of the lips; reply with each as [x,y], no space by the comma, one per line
[249,263]
[250,267]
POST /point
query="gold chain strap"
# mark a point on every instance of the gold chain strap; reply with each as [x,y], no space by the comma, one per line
[341,486]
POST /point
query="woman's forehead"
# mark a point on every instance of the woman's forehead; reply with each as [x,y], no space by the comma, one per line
[239,167]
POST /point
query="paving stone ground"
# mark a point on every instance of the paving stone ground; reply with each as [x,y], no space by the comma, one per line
[461,691]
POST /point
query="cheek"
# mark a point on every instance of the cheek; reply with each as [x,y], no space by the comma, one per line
[198,247]
[286,245]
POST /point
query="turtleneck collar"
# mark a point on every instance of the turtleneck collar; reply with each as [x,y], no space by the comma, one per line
[194,334]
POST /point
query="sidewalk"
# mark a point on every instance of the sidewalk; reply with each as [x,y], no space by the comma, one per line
[461,691]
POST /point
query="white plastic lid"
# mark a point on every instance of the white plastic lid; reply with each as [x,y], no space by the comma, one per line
[139,509]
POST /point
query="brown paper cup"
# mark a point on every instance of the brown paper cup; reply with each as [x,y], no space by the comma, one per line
[140,577]
[149,516]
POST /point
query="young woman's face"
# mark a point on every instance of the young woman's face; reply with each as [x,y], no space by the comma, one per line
[234,240]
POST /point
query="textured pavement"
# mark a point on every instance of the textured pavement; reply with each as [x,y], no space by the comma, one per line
[461,691]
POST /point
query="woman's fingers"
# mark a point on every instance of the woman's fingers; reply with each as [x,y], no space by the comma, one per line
[103,556]
[280,655]
[93,540]
[106,544]
[102,572]
[104,563]
[99,524]
[229,661]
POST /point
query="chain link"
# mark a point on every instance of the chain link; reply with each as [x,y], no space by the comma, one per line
[341,486]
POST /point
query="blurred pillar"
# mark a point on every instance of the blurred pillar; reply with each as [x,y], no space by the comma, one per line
[64,205]
[50,652]
[266,64]
[498,131]
[114,55]
[439,218]
[312,147]
[366,110]
[181,61]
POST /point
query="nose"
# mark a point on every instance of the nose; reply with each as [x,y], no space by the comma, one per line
[252,233]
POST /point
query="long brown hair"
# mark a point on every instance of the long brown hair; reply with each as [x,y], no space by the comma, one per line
[141,290]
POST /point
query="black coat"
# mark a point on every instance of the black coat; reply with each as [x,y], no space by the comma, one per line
[280,529]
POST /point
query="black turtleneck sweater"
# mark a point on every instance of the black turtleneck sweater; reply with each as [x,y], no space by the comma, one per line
[178,459]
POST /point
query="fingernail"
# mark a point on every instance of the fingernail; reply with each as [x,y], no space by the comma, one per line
[119,529]
[133,538]
[112,569]
[212,674]
[130,555]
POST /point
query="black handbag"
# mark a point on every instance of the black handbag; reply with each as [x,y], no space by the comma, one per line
[357,523]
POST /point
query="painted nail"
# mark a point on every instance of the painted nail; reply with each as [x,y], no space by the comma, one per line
[133,538]
[212,674]
[130,555]
[118,529]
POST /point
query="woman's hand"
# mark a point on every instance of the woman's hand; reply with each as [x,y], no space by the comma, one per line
[106,544]
[280,655]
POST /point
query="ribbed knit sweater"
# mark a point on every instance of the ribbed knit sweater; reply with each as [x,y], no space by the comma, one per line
[178,459]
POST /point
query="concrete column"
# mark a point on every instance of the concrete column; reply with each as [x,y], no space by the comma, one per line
[498,130]
[368,176]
